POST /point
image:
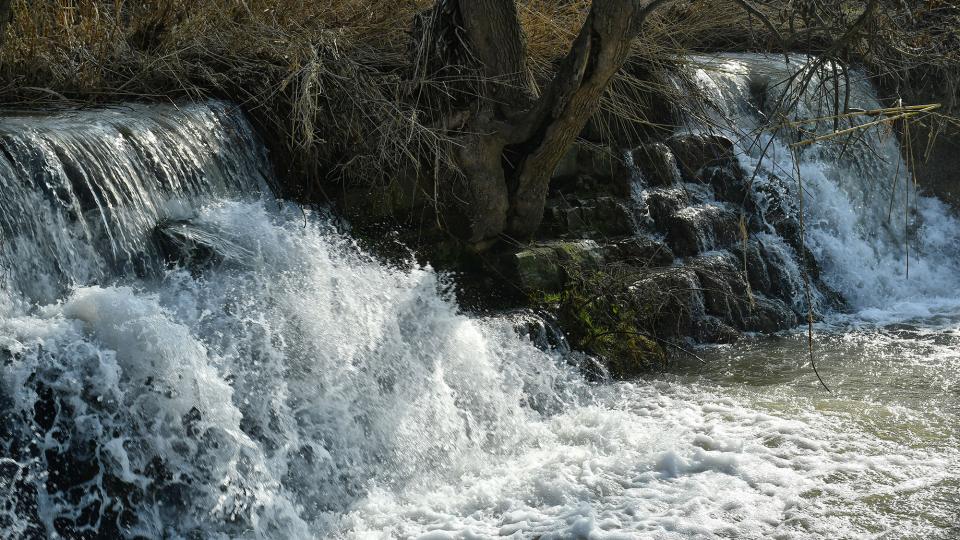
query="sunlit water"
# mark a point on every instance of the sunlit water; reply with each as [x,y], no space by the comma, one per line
[295,387]
[311,392]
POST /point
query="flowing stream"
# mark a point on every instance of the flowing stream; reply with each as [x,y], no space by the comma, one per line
[184,356]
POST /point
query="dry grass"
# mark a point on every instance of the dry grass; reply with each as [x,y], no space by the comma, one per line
[327,78]
[332,80]
[332,83]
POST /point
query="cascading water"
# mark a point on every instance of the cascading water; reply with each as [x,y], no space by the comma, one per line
[891,251]
[83,189]
[186,358]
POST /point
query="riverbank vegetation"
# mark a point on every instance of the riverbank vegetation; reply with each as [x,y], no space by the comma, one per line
[364,92]
[449,118]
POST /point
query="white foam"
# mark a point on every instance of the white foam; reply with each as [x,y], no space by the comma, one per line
[310,392]
[864,219]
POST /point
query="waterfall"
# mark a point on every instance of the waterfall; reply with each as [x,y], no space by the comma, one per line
[892,251]
[255,386]
[184,356]
[82,189]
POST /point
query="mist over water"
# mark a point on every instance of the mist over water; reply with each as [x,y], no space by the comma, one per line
[277,382]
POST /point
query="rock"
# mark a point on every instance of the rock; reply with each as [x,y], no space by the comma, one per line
[728,297]
[588,171]
[594,159]
[640,251]
[769,315]
[710,329]
[756,262]
[785,277]
[695,229]
[662,203]
[545,267]
[694,152]
[606,165]
[540,327]
[578,186]
[726,293]
[668,301]
[602,217]
[656,164]
[568,166]
[728,184]
[630,355]
[185,244]
[597,312]
[789,230]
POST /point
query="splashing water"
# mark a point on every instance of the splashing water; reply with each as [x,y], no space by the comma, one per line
[891,251]
[83,189]
[287,385]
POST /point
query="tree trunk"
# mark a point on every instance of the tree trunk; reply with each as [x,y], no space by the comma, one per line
[508,158]
[497,41]
[5,15]
[598,52]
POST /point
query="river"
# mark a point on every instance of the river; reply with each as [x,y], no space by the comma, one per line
[279,382]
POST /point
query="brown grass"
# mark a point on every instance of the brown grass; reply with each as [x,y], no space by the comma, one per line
[332,80]
[331,83]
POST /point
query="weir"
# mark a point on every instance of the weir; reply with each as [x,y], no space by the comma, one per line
[84,189]
[272,380]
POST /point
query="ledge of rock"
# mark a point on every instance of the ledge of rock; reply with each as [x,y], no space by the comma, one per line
[545,266]
[695,152]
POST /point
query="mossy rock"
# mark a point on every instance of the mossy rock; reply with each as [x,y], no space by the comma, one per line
[629,354]
[543,268]
[600,320]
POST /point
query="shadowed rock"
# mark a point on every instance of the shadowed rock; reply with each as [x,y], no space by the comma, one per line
[597,218]
[694,152]
[656,164]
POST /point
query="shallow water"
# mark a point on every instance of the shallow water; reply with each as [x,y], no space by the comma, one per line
[748,445]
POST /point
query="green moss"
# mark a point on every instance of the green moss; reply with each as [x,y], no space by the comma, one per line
[602,318]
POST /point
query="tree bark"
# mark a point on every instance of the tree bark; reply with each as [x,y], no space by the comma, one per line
[599,51]
[508,158]
[5,16]
[497,41]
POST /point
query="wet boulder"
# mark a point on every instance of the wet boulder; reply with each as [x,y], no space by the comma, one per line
[639,251]
[694,152]
[541,328]
[726,293]
[696,229]
[769,315]
[728,183]
[544,267]
[661,203]
[710,329]
[755,259]
[668,301]
[656,164]
[728,296]
[184,243]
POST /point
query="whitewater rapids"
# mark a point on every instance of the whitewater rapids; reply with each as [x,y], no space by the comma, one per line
[285,384]
[308,392]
